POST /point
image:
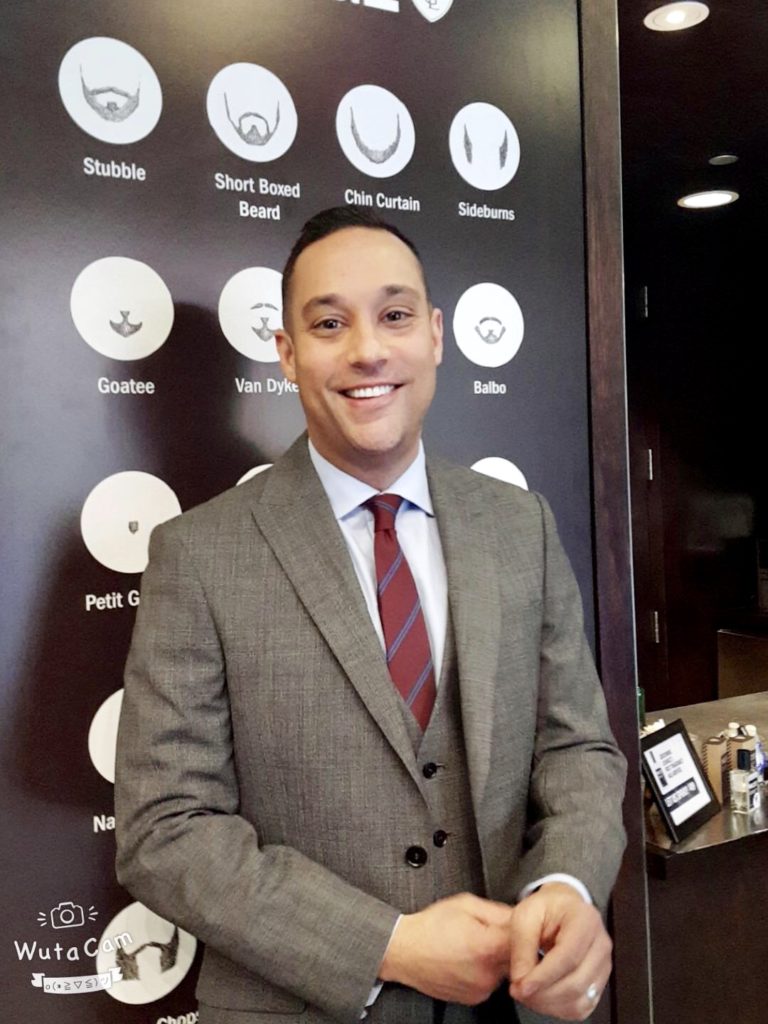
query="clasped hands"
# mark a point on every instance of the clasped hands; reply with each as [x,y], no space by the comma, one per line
[460,950]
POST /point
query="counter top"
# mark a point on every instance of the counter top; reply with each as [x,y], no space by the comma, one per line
[701,721]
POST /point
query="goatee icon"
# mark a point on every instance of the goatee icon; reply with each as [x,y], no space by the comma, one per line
[124,328]
[253,136]
[109,110]
[376,156]
[133,526]
[491,330]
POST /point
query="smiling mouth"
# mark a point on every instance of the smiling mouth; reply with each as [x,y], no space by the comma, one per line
[370,392]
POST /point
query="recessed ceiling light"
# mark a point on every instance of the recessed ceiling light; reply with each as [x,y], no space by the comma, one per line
[673,17]
[706,200]
[722,159]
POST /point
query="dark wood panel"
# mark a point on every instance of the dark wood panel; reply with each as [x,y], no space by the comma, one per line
[630,991]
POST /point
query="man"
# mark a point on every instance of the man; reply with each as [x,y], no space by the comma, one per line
[363,752]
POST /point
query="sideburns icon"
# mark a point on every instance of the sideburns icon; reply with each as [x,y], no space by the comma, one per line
[503,148]
[109,109]
[252,135]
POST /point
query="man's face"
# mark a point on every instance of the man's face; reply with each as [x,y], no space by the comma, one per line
[363,343]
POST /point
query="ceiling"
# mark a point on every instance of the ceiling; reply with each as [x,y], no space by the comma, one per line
[687,96]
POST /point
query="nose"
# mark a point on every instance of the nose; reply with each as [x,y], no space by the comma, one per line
[365,345]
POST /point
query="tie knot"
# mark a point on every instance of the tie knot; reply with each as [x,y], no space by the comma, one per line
[384,508]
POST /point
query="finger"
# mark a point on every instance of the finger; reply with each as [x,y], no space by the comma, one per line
[525,935]
[568,988]
[576,996]
[571,947]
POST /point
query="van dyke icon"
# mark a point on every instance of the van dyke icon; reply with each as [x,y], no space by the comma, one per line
[66,915]
[109,109]
[124,328]
[433,10]
[264,331]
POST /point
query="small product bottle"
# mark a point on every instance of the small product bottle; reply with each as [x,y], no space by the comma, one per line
[745,795]
[759,747]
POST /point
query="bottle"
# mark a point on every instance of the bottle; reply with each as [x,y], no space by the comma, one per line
[745,795]
[759,748]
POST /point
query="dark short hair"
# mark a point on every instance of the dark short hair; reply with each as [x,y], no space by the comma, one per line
[328,222]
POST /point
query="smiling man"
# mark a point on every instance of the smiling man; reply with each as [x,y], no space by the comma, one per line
[363,752]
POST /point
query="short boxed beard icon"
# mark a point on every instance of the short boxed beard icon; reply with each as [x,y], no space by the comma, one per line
[128,962]
[109,110]
[253,136]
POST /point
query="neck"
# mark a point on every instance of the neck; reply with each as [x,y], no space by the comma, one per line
[379,470]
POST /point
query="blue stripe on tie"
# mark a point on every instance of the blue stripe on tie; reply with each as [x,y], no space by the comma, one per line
[392,651]
[390,573]
[419,683]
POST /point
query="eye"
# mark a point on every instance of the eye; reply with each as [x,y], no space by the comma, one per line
[328,323]
[395,316]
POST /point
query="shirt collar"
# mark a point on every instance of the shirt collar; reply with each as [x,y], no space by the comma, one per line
[346,492]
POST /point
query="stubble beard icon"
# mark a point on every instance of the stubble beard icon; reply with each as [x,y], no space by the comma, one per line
[253,136]
[129,962]
[124,328]
[376,156]
[110,110]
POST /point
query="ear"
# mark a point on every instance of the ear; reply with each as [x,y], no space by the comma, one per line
[287,353]
[436,328]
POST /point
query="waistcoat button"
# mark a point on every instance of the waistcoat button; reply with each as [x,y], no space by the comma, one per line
[440,838]
[416,856]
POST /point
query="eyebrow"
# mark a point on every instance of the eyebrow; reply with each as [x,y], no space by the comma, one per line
[387,291]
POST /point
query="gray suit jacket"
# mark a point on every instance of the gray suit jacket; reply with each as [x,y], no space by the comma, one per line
[266,784]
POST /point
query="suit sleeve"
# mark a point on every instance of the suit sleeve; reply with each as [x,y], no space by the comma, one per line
[578,773]
[182,847]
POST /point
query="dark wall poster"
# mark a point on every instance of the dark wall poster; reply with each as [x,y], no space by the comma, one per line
[158,160]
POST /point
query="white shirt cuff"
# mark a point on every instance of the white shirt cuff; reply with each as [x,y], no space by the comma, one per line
[557,876]
[373,995]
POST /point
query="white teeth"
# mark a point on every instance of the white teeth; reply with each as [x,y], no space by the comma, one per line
[381,389]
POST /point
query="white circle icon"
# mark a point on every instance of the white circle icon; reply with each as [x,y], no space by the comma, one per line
[121,308]
[102,736]
[251,310]
[252,112]
[119,515]
[252,473]
[110,90]
[488,324]
[501,469]
[152,955]
[375,131]
[484,146]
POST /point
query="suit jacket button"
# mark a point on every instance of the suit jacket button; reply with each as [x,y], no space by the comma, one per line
[440,838]
[416,856]
[429,770]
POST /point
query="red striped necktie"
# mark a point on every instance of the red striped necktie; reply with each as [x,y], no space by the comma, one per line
[409,658]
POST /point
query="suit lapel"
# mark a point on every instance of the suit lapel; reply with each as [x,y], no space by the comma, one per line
[473,596]
[295,517]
